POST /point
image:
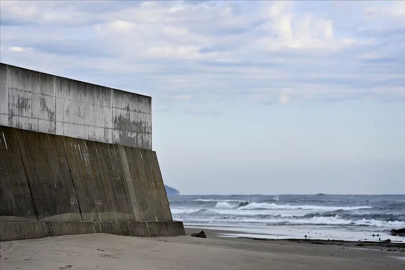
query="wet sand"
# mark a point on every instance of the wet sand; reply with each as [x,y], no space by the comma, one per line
[102,251]
[381,245]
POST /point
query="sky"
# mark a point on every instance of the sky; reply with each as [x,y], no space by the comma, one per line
[249,97]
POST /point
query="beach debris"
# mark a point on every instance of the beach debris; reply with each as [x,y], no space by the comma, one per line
[200,234]
[399,232]
[66,267]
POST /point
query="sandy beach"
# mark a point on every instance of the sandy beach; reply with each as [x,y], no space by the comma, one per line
[102,251]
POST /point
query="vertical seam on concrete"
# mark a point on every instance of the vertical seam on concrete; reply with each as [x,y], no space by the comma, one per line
[155,185]
[147,227]
[47,162]
[148,181]
[112,114]
[108,194]
[26,176]
[151,125]
[48,229]
[63,108]
[54,95]
[87,148]
[8,100]
[71,179]
[113,185]
[127,174]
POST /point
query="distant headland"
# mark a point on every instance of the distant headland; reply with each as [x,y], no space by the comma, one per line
[171,191]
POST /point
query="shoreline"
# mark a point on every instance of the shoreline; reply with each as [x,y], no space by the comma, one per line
[224,234]
[337,217]
[295,233]
[104,251]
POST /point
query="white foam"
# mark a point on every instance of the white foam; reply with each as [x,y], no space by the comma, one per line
[224,205]
[255,205]
[219,200]
[328,221]
[223,209]
[380,223]
[177,211]
[262,213]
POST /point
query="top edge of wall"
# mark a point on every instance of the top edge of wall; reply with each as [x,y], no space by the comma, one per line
[32,70]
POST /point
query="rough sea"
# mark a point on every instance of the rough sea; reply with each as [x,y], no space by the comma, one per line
[338,217]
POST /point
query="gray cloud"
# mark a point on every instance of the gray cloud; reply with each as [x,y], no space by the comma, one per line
[261,50]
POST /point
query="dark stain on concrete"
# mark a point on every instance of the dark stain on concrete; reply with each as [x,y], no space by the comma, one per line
[44,107]
[23,106]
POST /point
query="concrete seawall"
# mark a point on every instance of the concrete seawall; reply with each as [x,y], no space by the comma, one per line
[77,158]
[51,104]
[54,185]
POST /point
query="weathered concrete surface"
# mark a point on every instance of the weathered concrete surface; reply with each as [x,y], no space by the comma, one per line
[48,176]
[130,228]
[46,103]
[27,230]
[15,197]
[10,231]
[62,180]
[98,179]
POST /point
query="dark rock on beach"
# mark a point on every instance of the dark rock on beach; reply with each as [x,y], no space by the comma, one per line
[200,234]
[399,232]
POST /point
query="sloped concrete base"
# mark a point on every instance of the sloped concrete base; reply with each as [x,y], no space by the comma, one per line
[29,230]
[22,230]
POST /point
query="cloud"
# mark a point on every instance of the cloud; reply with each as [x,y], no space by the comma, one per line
[17,49]
[215,51]
[394,11]
[43,13]
[183,97]
[307,31]
[284,99]
[118,26]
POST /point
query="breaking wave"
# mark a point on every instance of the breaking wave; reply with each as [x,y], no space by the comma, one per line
[254,205]
[217,200]
[187,211]
[326,221]
[224,205]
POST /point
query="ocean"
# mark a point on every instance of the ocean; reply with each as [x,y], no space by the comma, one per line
[337,217]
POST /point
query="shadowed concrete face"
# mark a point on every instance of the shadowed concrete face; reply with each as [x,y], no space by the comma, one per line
[45,103]
[57,178]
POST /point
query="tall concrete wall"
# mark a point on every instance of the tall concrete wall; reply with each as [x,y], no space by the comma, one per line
[55,178]
[46,103]
[77,158]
